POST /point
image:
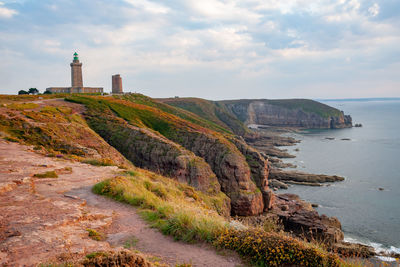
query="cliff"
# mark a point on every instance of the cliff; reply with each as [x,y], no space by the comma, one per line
[287,113]
[156,137]
[234,114]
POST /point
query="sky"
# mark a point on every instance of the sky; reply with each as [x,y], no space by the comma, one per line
[214,49]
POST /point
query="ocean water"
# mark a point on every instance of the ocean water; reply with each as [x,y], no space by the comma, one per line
[369,161]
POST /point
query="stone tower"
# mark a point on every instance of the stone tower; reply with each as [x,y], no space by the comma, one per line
[76,72]
[116,84]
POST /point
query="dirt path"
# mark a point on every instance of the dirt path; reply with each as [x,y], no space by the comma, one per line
[47,220]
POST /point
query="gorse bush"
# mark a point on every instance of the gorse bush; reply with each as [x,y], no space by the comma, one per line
[275,249]
[95,235]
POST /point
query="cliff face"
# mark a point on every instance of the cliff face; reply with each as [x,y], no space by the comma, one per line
[233,114]
[161,141]
[258,169]
[231,168]
[146,149]
[292,113]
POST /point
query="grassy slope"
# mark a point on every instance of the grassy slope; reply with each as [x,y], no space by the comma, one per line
[210,111]
[45,126]
[152,115]
[184,213]
[177,111]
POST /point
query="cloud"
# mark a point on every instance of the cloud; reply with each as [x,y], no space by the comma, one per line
[374,10]
[6,12]
[149,6]
[211,48]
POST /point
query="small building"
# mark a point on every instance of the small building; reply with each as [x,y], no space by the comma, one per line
[76,81]
[117,84]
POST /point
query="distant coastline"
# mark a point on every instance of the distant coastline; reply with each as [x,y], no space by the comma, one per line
[360,99]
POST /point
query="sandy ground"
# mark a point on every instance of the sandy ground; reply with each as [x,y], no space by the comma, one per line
[46,220]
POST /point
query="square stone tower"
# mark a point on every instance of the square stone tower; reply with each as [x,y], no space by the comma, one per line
[76,72]
[116,84]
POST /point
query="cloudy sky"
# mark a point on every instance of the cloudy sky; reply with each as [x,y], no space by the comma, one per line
[215,49]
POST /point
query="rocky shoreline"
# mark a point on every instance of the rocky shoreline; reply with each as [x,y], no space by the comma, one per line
[294,215]
[267,141]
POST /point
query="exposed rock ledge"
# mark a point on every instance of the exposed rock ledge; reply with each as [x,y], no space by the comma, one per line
[301,219]
[295,177]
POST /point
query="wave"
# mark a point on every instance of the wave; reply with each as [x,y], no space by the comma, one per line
[379,248]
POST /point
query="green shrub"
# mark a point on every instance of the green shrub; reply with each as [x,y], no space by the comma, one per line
[48,174]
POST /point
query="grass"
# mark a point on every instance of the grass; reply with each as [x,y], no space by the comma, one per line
[209,111]
[48,174]
[23,106]
[160,117]
[171,211]
[131,242]
[95,254]
[193,220]
[308,106]
[99,162]
[95,235]
[177,111]
[56,130]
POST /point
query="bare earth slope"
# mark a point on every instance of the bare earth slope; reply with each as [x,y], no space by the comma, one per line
[46,220]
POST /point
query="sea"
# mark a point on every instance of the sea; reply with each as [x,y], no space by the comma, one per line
[368,202]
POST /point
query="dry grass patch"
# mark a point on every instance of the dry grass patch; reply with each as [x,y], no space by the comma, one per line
[164,203]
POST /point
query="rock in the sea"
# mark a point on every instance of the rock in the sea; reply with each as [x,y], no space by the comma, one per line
[302,177]
[277,184]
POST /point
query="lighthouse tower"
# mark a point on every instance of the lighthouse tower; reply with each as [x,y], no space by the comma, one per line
[76,81]
[76,73]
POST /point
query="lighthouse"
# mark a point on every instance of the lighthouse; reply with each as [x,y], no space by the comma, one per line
[76,72]
[76,81]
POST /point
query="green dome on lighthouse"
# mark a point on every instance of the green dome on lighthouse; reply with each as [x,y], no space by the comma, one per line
[76,56]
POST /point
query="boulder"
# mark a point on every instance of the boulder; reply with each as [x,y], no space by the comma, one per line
[302,220]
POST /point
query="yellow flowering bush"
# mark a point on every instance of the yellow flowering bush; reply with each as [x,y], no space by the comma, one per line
[274,249]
